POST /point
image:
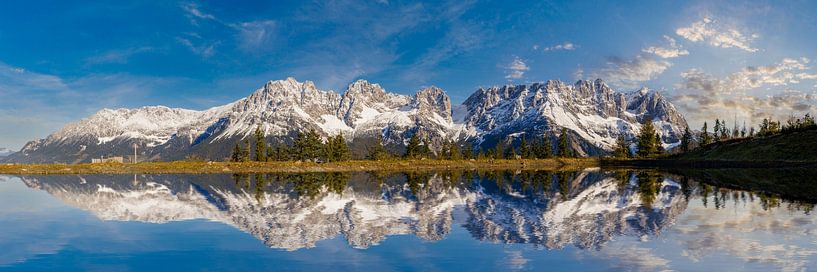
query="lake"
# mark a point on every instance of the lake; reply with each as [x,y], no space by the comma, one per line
[591,220]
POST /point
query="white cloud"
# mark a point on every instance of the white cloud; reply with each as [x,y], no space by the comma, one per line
[704,96]
[743,232]
[117,56]
[515,260]
[578,74]
[806,76]
[709,30]
[205,50]
[193,13]
[563,46]
[516,69]
[14,78]
[628,73]
[672,50]
[256,35]
[750,77]
[632,257]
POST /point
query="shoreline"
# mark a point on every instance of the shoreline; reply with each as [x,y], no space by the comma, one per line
[551,164]
[707,164]
[187,167]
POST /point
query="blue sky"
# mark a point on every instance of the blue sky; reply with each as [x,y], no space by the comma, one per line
[61,61]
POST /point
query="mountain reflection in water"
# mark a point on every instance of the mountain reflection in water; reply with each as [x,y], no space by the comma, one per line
[294,211]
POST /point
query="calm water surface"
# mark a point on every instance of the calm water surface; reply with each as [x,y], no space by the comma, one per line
[592,220]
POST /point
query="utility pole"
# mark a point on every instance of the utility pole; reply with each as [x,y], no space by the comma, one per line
[134,153]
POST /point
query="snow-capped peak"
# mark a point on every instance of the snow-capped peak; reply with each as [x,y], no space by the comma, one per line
[592,112]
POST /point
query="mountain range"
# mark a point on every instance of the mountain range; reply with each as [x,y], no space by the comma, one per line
[591,112]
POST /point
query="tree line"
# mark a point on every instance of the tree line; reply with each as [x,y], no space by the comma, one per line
[310,146]
[648,141]
[767,127]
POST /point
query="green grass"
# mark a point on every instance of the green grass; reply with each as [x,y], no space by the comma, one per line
[188,167]
[794,147]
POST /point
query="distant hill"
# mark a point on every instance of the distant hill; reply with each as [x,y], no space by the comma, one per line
[796,146]
[5,152]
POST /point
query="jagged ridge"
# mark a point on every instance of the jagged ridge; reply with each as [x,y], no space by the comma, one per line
[592,112]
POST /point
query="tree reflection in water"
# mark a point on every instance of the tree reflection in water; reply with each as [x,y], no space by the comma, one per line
[545,209]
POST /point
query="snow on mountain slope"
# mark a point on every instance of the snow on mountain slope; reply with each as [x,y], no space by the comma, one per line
[155,125]
[593,114]
[590,110]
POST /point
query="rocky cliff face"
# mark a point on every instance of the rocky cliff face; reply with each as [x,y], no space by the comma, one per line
[593,114]
[584,209]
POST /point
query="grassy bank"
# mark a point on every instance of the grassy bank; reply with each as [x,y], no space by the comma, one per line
[186,167]
[791,150]
[701,163]
[792,147]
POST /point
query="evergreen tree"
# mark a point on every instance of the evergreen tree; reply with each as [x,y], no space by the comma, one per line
[499,153]
[342,149]
[724,131]
[425,149]
[260,145]
[309,146]
[659,147]
[454,152]
[413,147]
[622,148]
[236,155]
[467,152]
[535,148]
[547,147]
[445,151]
[705,137]
[686,140]
[299,146]
[769,127]
[481,154]
[336,149]
[329,149]
[282,152]
[764,127]
[564,145]
[377,151]
[525,149]
[245,152]
[490,154]
[808,122]
[271,153]
[717,130]
[647,140]
[735,130]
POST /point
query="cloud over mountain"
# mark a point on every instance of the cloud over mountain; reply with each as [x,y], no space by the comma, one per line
[712,32]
